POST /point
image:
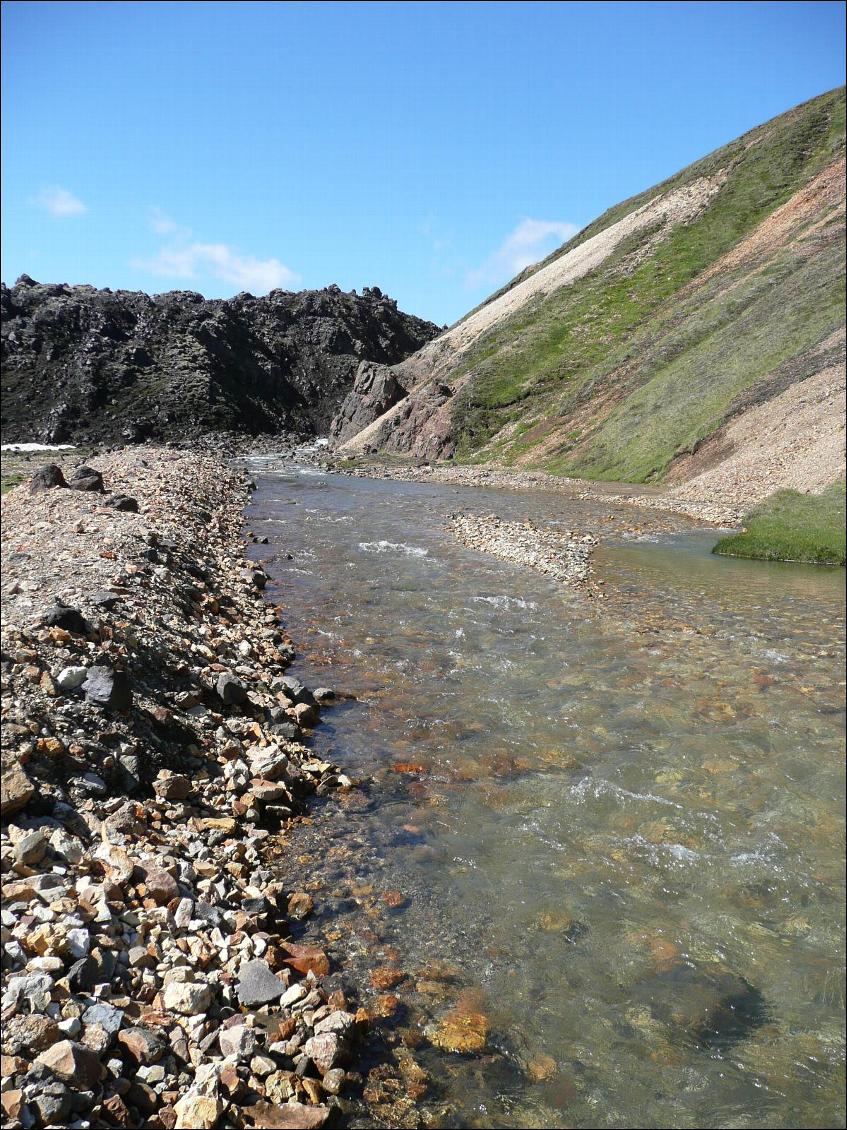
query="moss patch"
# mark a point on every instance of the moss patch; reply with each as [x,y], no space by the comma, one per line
[790,526]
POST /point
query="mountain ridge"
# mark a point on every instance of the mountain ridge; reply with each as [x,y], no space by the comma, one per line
[85,364]
[634,344]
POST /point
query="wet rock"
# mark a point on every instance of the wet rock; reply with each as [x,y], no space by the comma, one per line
[258,984]
[713,1007]
[306,959]
[555,922]
[386,978]
[85,478]
[300,905]
[47,477]
[72,1062]
[287,1116]
[108,688]
[464,1029]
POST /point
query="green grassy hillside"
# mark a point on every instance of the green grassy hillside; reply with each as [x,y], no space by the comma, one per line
[614,375]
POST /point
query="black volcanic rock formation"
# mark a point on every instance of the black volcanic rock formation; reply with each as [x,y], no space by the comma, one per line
[81,364]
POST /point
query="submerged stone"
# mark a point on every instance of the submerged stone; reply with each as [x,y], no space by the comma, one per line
[713,1007]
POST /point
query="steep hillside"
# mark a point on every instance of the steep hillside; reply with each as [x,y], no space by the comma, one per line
[656,342]
[84,364]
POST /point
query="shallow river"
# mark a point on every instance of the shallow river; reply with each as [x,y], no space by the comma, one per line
[614,835]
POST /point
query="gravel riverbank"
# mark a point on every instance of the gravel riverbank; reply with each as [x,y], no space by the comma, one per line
[564,555]
[724,512]
[155,968]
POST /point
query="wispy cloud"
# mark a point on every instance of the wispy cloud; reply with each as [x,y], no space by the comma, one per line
[530,241]
[59,202]
[220,261]
[162,224]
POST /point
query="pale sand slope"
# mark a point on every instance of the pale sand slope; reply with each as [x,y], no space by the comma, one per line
[445,352]
[794,441]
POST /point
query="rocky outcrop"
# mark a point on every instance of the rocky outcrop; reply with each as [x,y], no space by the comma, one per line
[375,390]
[81,364]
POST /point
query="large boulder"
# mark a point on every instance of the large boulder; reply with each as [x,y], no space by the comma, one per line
[47,477]
[86,478]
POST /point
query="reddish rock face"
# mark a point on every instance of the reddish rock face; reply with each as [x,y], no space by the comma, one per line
[70,1061]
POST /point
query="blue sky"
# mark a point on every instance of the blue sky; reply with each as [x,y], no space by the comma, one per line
[431,149]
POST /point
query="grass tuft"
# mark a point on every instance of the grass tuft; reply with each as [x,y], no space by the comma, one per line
[790,526]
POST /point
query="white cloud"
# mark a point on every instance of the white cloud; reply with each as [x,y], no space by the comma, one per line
[162,224]
[59,202]
[187,261]
[530,241]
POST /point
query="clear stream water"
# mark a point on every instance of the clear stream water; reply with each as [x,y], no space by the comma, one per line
[619,836]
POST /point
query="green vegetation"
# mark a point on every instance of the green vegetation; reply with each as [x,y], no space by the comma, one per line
[9,481]
[790,526]
[650,367]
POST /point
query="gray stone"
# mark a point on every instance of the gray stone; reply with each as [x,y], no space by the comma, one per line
[324,1050]
[108,688]
[333,1080]
[85,478]
[31,848]
[238,1041]
[69,619]
[293,689]
[230,690]
[122,502]
[104,1015]
[258,984]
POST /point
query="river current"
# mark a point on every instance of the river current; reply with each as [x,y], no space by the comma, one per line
[603,842]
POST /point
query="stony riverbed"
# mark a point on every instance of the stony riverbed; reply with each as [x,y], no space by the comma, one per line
[154,966]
